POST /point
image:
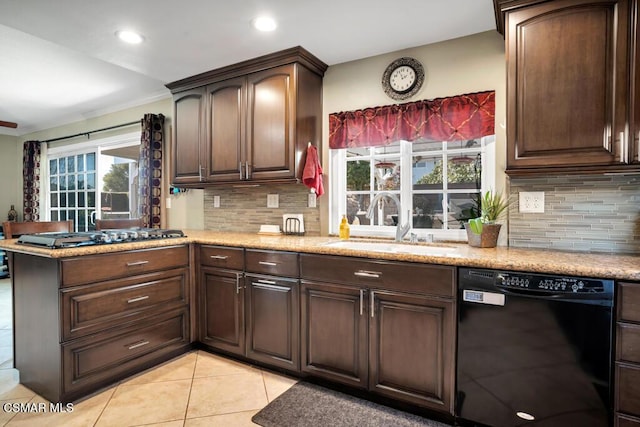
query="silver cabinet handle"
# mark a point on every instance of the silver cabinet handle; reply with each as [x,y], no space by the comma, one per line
[136,263]
[136,299]
[268,282]
[365,273]
[138,344]
[238,285]
[361,301]
[262,285]
[372,297]
[240,169]
[222,257]
[200,169]
[246,169]
[622,149]
[270,264]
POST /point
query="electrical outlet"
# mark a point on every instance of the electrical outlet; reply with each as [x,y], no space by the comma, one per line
[167,203]
[311,200]
[272,200]
[216,201]
[531,201]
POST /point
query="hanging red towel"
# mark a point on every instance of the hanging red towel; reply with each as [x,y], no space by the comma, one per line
[312,174]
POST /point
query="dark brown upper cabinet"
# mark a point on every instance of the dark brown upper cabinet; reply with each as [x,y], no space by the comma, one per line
[570,68]
[250,121]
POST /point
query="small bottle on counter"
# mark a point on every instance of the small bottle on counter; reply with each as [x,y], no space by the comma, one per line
[344,228]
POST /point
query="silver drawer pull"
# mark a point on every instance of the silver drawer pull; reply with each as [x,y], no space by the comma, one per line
[136,263]
[270,264]
[365,273]
[268,282]
[138,344]
[132,300]
[219,257]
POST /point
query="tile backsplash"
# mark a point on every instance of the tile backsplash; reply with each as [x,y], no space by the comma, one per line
[244,209]
[591,213]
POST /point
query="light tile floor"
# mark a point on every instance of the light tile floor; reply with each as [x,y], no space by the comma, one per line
[193,390]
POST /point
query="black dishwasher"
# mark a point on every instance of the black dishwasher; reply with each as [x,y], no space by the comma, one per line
[533,350]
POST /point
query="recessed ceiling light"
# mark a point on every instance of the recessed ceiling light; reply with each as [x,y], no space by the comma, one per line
[264,23]
[129,36]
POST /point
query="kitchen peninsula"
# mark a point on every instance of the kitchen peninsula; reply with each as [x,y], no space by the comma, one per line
[88,316]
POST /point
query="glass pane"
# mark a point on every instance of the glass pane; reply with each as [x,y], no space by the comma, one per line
[62,183]
[63,200]
[386,213]
[426,173]
[353,152]
[54,200]
[387,174]
[358,176]
[91,181]
[81,199]
[427,211]
[464,171]
[357,207]
[91,199]
[387,149]
[71,164]
[71,215]
[82,220]
[53,183]
[71,182]
[71,200]
[463,207]
[63,215]
[80,162]
[81,182]
[54,216]
[91,161]
[53,167]
[62,166]
[418,146]
[471,143]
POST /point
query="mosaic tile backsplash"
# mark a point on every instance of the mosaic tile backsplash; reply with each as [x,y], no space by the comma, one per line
[591,213]
[244,209]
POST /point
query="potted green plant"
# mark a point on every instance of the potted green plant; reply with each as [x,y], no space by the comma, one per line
[483,232]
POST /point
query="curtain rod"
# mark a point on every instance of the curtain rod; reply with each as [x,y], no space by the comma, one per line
[137,122]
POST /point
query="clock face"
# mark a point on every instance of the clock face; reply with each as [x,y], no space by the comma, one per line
[403,78]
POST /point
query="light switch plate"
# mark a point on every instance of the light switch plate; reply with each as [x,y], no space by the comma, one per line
[272,200]
[167,203]
[216,201]
[531,201]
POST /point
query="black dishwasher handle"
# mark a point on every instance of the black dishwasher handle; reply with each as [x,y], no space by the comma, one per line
[583,298]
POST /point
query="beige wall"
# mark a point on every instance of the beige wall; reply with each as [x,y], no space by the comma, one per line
[469,64]
[465,65]
[10,175]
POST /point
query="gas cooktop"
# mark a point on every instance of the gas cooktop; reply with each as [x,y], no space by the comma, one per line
[72,240]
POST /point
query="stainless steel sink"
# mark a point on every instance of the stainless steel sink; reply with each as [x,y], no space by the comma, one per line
[391,247]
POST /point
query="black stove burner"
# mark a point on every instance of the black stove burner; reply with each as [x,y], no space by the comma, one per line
[72,240]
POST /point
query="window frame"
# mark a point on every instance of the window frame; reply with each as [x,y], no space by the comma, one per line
[338,185]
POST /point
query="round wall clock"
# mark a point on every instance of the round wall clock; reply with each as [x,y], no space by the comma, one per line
[403,78]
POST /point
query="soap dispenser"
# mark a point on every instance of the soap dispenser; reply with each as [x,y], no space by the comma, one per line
[344,228]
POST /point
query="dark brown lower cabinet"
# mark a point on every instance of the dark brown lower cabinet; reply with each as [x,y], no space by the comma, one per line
[273,321]
[222,309]
[334,333]
[411,348]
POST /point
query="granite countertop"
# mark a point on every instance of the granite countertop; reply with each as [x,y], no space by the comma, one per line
[622,267]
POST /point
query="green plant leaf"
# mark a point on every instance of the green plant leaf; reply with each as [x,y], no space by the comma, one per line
[476,225]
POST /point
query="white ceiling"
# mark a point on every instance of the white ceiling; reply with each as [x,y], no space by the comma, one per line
[60,61]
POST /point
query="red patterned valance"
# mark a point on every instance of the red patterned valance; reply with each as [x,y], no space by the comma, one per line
[455,118]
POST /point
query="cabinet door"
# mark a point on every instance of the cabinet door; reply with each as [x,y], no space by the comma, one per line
[334,333]
[188,115]
[226,127]
[271,123]
[634,136]
[273,321]
[222,310]
[411,356]
[567,84]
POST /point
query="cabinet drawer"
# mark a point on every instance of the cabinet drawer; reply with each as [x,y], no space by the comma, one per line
[222,256]
[628,343]
[97,268]
[629,301]
[400,276]
[626,421]
[93,308]
[628,389]
[93,359]
[283,264]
